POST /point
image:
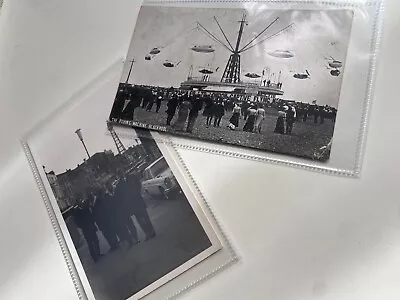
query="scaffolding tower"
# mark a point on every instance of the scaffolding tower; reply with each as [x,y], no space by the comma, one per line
[120,147]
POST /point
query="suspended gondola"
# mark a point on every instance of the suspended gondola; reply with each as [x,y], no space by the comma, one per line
[252,75]
[333,63]
[203,48]
[335,73]
[305,75]
[155,51]
[208,70]
[169,64]
[281,54]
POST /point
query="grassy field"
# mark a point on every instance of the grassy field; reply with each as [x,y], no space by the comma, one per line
[306,138]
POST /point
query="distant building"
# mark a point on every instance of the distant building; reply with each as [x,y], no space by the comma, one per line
[72,186]
[59,193]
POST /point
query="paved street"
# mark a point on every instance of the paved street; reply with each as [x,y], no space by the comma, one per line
[122,273]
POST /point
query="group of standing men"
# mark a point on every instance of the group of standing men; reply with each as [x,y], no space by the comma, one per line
[187,105]
[110,210]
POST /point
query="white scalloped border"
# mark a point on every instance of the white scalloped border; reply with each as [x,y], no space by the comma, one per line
[56,227]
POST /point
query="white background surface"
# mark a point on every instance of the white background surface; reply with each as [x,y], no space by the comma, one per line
[301,235]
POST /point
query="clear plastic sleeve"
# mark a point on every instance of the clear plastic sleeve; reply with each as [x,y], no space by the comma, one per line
[324,100]
[188,245]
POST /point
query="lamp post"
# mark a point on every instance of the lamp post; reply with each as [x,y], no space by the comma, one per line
[80,136]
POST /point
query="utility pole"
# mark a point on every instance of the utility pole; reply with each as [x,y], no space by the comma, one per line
[130,70]
[80,136]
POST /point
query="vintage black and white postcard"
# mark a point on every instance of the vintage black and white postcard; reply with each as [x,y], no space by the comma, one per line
[127,214]
[259,78]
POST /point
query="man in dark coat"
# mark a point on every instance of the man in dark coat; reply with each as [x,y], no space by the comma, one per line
[322,114]
[119,222]
[245,109]
[152,99]
[119,103]
[85,221]
[124,208]
[290,118]
[132,102]
[133,194]
[158,102]
[147,95]
[171,108]
[316,113]
[197,105]
[219,112]
[104,220]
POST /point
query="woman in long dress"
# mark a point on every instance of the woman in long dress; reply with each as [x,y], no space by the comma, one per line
[280,123]
[182,116]
[260,118]
[251,119]
[234,120]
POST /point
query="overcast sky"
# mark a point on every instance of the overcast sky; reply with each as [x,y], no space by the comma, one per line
[315,35]
[58,147]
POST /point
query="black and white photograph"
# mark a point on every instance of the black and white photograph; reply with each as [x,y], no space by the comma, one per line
[258,78]
[133,226]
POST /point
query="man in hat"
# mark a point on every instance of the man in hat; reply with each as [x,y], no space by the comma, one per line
[85,221]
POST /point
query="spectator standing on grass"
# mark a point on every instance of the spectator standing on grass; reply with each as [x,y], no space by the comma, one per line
[131,103]
[280,121]
[245,109]
[152,99]
[322,113]
[234,120]
[249,126]
[316,113]
[196,106]
[158,102]
[85,221]
[290,118]
[183,113]
[208,110]
[171,108]
[259,118]
[119,102]
[219,112]
[147,94]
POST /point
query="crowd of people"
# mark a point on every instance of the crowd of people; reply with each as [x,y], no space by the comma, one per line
[188,105]
[110,210]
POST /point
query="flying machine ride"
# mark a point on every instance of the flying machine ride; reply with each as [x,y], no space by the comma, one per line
[155,51]
[335,64]
[281,54]
[335,73]
[305,75]
[208,70]
[252,75]
[169,64]
[203,48]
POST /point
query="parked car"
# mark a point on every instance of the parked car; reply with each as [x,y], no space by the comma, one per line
[158,180]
